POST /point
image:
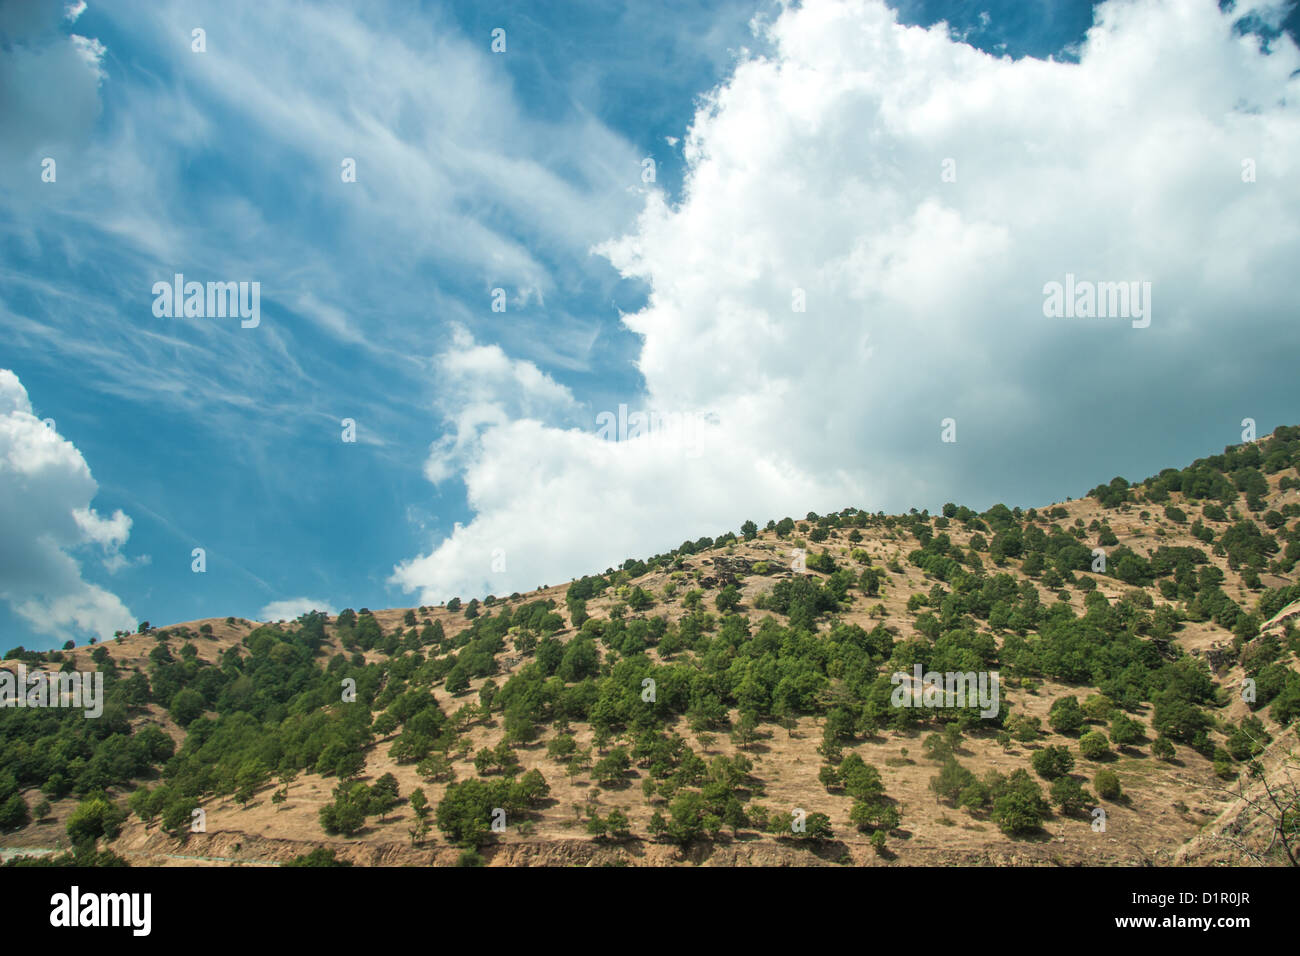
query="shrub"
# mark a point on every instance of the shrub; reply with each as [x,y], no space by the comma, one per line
[1052,762]
[1069,795]
[13,813]
[1107,784]
[94,818]
[1093,745]
[1125,731]
[1017,813]
[1065,717]
[317,857]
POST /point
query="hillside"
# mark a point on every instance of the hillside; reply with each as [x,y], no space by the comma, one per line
[681,708]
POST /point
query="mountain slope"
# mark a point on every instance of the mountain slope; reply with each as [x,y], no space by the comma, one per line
[772,657]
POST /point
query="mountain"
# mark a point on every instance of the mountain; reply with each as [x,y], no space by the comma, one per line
[739,700]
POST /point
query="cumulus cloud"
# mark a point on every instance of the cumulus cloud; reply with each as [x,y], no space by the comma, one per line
[915,195]
[551,498]
[291,609]
[46,491]
[482,387]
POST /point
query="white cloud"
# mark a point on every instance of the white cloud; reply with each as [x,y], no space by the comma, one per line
[51,85]
[482,387]
[819,168]
[46,491]
[291,609]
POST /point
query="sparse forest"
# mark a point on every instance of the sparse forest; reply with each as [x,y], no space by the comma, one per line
[736,692]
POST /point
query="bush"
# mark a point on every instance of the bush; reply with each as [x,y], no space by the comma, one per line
[1125,731]
[13,813]
[1068,794]
[1093,745]
[1017,813]
[95,818]
[1107,784]
[1023,728]
[951,780]
[1098,707]
[347,814]
[1052,762]
[1065,717]
[609,771]
[467,810]
[317,857]
[1018,804]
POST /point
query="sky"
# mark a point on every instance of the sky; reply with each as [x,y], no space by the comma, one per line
[540,288]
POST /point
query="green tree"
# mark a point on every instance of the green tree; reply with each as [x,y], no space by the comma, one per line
[1018,804]
[529,790]
[874,815]
[1093,745]
[1107,784]
[347,813]
[1017,813]
[1125,731]
[252,776]
[1052,762]
[178,815]
[561,747]
[1069,795]
[610,769]
[465,812]
[186,706]
[420,807]
[951,780]
[14,813]
[745,730]
[436,768]
[1065,716]
[94,818]
[384,796]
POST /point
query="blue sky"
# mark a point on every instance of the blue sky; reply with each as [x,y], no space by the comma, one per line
[794,147]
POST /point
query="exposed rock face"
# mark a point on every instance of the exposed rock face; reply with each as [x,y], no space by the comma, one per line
[1289,613]
[727,570]
[1221,657]
[242,849]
